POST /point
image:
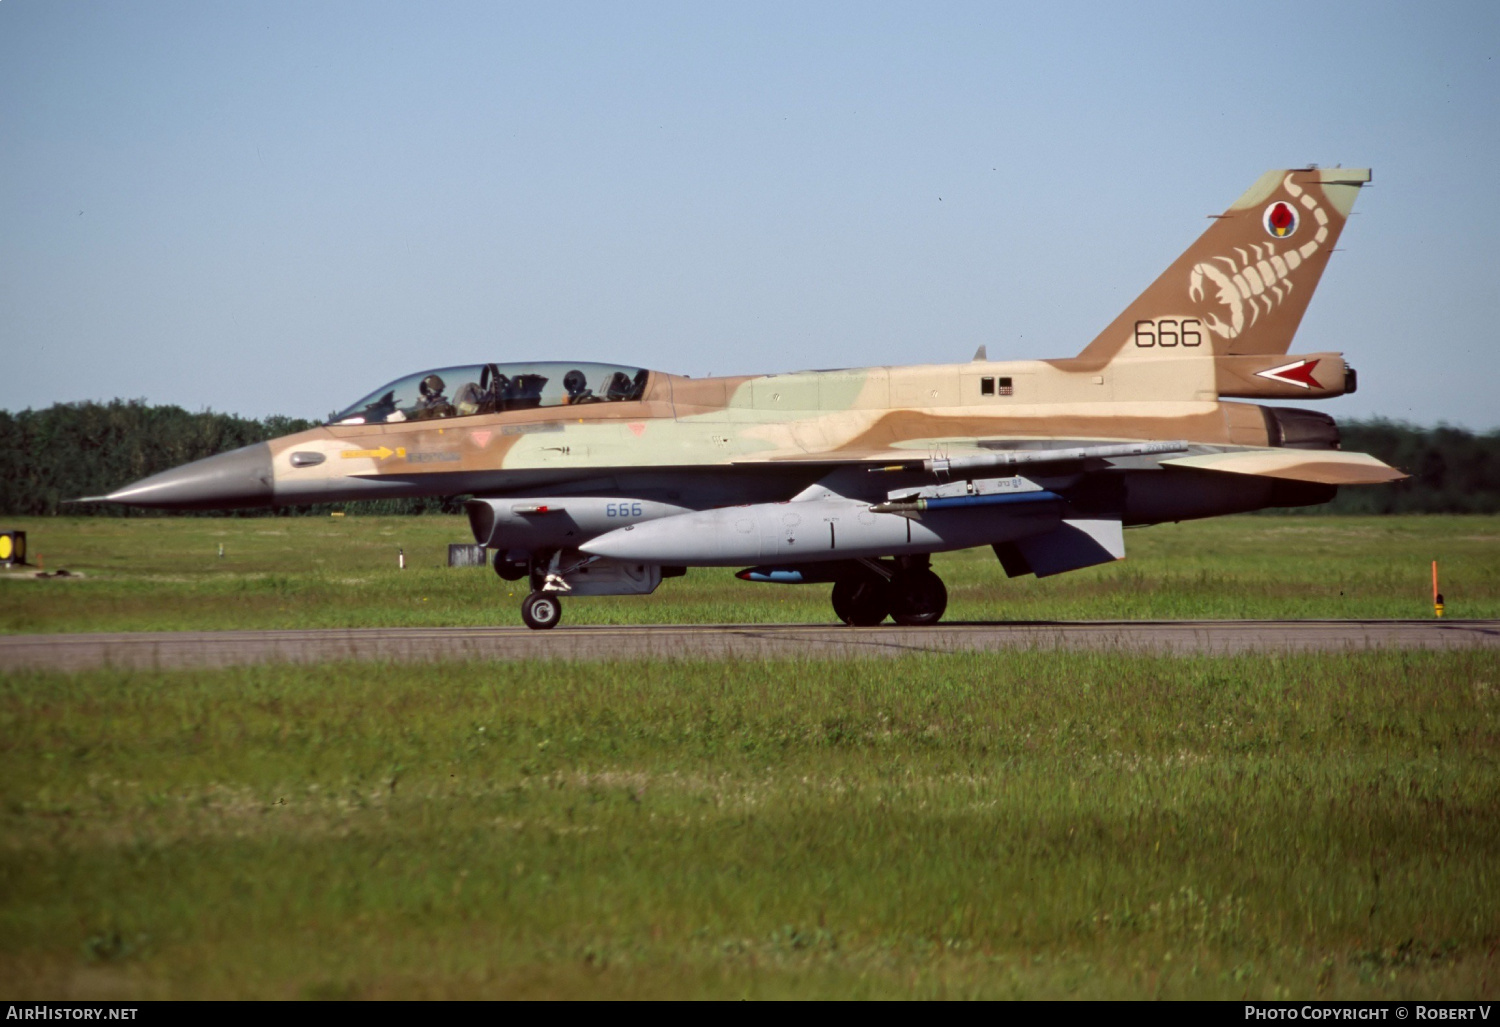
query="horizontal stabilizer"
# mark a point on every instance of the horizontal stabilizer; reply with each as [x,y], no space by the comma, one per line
[1324,467]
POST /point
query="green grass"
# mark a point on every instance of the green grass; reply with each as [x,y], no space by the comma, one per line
[164,574]
[1033,824]
[1029,825]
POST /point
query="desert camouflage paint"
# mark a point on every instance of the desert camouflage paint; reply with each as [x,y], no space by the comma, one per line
[1217,323]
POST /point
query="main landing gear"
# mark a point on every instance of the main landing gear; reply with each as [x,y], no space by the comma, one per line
[909,594]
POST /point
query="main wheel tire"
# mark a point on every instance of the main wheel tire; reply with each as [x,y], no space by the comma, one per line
[862,601]
[843,600]
[541,610]
[918,597]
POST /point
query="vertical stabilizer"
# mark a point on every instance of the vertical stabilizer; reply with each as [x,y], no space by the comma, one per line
[1243,287]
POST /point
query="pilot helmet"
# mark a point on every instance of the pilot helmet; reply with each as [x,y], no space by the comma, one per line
[431,386]
[574,382]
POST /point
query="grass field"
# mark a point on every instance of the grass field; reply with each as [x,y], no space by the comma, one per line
[1026,824]
[165,574]
[1033,825]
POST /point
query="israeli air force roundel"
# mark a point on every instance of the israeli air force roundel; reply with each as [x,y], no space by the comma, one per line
[1280,220]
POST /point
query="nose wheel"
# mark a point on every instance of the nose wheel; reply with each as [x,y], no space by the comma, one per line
[541,611]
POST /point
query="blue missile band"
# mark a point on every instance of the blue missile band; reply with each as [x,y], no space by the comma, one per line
[994,499]
[817,574]
[787,577]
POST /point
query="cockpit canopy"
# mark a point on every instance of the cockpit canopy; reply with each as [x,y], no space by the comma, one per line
[494,388]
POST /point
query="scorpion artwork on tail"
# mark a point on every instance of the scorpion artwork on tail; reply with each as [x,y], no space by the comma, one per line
[1261,278]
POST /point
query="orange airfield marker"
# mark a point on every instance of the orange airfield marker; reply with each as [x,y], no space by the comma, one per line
[1437,597]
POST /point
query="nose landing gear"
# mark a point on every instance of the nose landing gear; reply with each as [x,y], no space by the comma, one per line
[541,611]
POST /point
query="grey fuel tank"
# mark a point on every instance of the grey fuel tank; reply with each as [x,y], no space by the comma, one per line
[830,529]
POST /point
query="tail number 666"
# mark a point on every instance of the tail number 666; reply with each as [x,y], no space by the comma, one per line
[1167,332]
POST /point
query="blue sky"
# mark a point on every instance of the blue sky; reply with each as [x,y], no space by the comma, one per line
[267,207]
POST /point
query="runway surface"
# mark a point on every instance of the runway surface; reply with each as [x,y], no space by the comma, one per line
[173,650]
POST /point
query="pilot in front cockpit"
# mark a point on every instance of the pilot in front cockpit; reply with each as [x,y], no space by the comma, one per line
[433,403]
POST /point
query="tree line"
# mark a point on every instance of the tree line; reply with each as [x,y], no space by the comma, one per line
[1452,470]
[71,450]
[88,449]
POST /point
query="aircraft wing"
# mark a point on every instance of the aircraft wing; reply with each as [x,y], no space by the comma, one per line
[1325,467]
[945,456]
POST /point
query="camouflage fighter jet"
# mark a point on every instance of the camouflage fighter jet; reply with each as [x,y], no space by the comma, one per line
[594,479]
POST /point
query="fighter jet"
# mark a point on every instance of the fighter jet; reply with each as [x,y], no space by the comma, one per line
[597,479]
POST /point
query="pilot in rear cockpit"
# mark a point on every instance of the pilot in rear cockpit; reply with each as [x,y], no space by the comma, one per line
[471,399]
[619,388]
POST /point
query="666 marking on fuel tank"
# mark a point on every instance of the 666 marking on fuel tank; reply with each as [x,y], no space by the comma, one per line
[1167,332]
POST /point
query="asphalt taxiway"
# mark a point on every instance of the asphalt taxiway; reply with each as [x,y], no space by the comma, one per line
[188,649]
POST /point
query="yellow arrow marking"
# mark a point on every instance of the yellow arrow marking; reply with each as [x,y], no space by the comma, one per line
[377,454]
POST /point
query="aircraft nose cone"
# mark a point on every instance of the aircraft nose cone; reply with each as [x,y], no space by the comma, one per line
[241,477]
